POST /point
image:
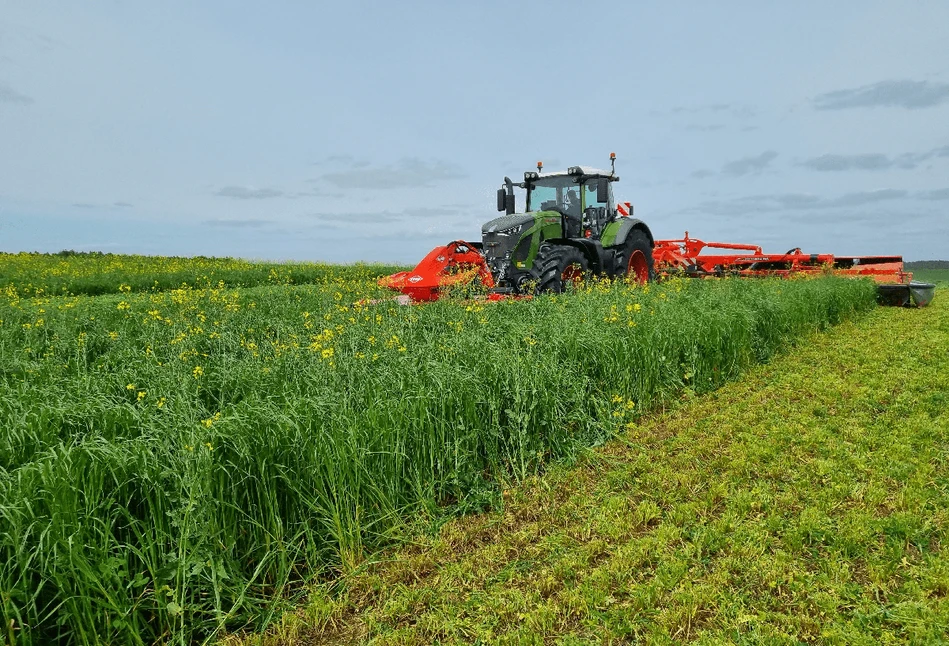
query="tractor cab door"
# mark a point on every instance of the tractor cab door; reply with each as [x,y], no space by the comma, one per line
[595,214]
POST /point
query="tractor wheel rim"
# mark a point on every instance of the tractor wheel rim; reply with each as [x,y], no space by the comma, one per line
[637,267]
[572,273]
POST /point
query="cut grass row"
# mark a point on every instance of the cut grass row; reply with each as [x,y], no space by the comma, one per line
[806,503]
[176,463]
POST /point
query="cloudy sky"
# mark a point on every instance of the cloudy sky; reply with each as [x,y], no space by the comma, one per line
[346,131]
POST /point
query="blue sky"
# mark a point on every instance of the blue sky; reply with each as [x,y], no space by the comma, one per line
[346,131]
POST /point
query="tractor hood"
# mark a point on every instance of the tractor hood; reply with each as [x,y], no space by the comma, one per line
[507,224]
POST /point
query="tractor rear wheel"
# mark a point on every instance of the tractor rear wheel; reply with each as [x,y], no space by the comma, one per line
[557,266]
[634,259]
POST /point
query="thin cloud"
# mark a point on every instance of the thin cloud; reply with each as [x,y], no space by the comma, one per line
[113,205]
[409,215]
[867,197]
[749,165]
[736,110]
[861,216]
[250,223]
[697,127]
[702,173]
[358,218]
[9,95]
[247,193]
[940,194]
[911,95]
[755,204]
[408,173]
[868,161]
[873,161]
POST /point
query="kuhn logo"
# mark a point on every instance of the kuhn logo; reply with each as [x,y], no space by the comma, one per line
[415,279]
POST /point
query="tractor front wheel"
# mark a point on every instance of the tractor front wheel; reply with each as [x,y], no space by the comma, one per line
[557,266]
[634,259]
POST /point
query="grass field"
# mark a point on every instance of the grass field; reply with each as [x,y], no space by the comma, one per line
[176,463]
[71,274]
[806,503]
[937,276]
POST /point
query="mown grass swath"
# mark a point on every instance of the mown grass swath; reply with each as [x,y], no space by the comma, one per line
[175,462]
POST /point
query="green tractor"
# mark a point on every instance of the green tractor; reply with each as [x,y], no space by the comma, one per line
[571,228]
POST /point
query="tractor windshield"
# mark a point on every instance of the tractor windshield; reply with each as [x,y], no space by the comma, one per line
[549,193]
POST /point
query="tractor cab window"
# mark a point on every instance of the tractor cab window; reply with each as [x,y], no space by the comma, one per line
[554,193]
[595,214]
[589,198]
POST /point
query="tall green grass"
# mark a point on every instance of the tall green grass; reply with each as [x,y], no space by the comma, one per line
[175,463]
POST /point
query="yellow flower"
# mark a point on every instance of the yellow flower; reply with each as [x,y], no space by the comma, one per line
[197,372]
[130,387]
[141,395]
[160,402]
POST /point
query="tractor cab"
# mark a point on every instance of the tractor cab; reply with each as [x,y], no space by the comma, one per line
[583,195]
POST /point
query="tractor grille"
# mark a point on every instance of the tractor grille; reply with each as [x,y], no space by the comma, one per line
[499,237]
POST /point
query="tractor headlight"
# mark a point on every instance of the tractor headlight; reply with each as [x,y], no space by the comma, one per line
[509,231]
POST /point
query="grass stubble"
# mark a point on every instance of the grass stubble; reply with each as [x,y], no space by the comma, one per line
[176,464]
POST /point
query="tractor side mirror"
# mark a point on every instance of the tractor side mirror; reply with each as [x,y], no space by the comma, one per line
[509,203]
[603,190]
[502,199]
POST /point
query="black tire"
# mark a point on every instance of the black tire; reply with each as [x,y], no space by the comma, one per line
[556,263]
[643,265]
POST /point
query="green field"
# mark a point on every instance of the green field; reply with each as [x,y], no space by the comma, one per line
[69,273]
[938,276]
[177,463]
[806,503]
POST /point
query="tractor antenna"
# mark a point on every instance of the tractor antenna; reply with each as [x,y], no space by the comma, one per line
[612,164]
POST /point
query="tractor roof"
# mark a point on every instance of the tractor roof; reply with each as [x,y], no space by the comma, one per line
[575,170]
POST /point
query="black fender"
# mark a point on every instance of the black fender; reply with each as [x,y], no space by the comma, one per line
[631,224]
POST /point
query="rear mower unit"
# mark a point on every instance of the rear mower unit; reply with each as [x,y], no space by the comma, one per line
[690,257]
[571,228]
